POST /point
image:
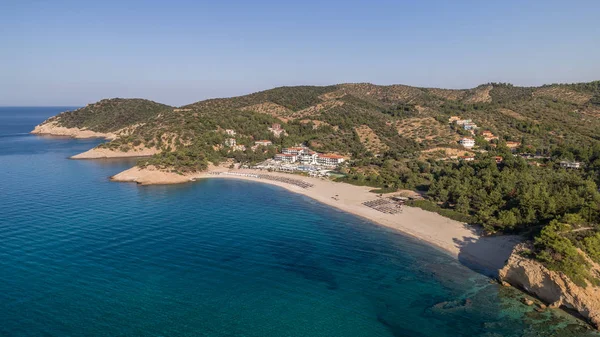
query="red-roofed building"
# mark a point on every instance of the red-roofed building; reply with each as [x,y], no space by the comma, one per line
[330,159]
[513,145]
[488,135]
[263,142]
[294,150]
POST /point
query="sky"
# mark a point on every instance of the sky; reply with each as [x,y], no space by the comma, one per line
[177,52]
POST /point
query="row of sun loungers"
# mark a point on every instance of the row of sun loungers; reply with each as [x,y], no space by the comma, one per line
[297,182]
[384,206]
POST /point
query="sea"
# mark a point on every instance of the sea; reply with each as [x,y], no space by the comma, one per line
[83,256]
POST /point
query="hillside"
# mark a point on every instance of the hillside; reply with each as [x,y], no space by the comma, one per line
[397,137]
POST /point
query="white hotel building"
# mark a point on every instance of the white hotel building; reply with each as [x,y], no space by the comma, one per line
[308,157]
[294,150]
[329,159]
[286,157]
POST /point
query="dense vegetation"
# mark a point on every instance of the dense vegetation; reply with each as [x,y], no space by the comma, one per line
[519,194]
[113,114]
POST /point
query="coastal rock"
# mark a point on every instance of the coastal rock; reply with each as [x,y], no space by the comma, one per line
[100,153]
[552,286]
[52,128]
[150,175]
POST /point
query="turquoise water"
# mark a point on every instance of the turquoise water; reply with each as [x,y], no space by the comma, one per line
[81,256]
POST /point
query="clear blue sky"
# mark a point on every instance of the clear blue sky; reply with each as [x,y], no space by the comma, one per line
[177,52]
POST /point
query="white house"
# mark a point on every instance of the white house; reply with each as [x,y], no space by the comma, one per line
[467,142]
[570,164]
[463,121]
[469,126]
[329,159]
[230,142]
[263,142]
[230,132]
[286,158]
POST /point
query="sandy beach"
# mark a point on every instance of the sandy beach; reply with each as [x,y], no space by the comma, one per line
[457,239]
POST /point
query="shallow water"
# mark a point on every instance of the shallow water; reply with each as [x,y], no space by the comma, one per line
[80,255]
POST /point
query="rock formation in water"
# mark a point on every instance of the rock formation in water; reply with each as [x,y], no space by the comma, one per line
[553,287]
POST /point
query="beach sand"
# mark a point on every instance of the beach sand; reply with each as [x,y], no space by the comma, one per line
[487,254]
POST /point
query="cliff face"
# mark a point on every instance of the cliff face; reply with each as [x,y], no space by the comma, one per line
[553,287]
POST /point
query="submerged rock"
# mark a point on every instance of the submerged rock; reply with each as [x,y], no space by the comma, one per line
[527,301]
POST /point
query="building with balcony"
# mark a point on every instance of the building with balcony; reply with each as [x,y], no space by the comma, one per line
[329,159]
[467,142]
[286,158]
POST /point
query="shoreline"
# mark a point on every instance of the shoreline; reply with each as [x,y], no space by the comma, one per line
[459,240]
[484,254]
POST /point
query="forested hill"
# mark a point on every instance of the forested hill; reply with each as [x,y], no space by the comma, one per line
[401,137]
[541,117]
[112,114]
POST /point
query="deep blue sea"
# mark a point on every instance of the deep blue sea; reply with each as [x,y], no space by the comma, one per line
[83,256]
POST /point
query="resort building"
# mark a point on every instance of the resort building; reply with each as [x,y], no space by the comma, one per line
[230,142]
[329,159]
[570,164]
[294,150]
[308,157]
[263,142]
[230,132]
[286,158]
[467,142]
